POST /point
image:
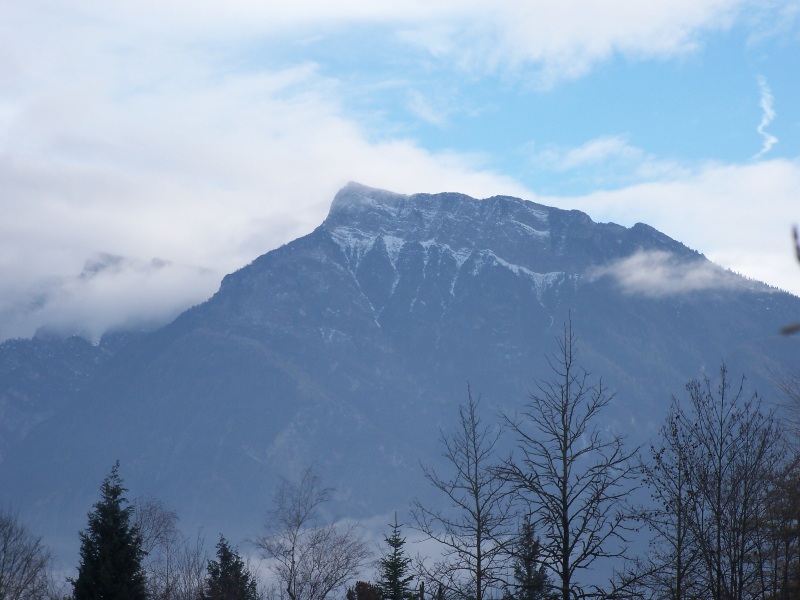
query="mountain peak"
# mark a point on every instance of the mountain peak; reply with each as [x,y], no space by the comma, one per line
[360,214]
[358,196]
[388,211]
[535,237]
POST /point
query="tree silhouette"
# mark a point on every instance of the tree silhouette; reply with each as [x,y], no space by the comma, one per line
[473,530]
[228,576]
[310,560]
[111,548]
[531,580]
[573,474]
[394,566]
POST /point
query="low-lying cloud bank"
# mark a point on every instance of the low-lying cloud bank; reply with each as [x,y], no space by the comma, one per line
[658,273]
[112,292]
[740,216]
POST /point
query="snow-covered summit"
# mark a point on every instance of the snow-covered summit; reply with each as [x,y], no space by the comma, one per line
[442,216]
[457,223]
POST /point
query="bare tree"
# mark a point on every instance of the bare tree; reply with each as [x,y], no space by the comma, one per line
[175,565]
[190,562]
[156,523]
[779,550]
[783,511]
[475,526]
[735,448]
[574,477]
[24,561]
[790,386]
[674,568]
[311,560]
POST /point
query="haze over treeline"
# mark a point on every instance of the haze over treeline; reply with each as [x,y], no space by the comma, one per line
[556,518]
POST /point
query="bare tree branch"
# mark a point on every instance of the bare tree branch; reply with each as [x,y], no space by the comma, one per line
[174,564]
[477,523]
[574,477]
[24,561]
[733,448]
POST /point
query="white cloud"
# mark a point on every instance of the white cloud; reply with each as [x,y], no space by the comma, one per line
[558,40]
[564,40]
[658,274]
[110,292]
[768,115]
[152,150]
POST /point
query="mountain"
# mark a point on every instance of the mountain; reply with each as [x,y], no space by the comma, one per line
[350,348]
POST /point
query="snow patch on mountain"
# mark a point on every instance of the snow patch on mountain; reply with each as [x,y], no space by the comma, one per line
[353,242]
[460,255]
[540,233]
[539,281]
[393,246]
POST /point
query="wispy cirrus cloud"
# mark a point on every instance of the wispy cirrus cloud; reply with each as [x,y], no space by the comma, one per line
[421,106]
[767,116]
[607,161]
[596,151]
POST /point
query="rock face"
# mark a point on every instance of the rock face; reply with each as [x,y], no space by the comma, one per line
[350,348]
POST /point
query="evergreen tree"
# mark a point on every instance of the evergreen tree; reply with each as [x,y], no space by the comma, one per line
[364,590]
[111,552]
[228,576]
[531,581]
[394,567]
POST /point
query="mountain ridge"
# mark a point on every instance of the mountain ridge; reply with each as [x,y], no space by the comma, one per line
[424,216]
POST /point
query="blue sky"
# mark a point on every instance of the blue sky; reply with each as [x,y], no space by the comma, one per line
[701,105]
[206,133]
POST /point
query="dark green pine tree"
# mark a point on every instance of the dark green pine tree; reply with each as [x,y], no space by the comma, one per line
[394,580]
[531,581]
[111,549]
[364,590]
[228,576]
